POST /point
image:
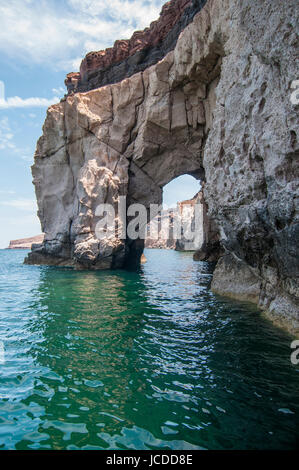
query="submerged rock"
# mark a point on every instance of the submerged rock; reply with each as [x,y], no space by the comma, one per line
[217,107]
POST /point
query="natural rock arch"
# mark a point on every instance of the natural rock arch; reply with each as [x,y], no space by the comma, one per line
[127,139]
[218,107]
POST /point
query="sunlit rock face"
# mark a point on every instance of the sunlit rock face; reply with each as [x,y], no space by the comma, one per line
[190,214]
[217,107]
[208,244]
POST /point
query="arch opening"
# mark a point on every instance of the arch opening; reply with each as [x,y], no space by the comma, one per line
[180,199]
[181,209]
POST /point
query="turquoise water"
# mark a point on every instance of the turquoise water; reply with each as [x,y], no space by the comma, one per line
[148,360]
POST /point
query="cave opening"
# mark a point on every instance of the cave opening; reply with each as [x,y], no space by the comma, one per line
[181,221]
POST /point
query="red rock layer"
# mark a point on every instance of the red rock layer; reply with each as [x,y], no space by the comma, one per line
[122,49]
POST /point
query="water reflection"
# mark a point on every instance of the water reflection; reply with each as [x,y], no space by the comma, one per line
[141,360]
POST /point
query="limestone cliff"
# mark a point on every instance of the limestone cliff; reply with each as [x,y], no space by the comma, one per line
[217,107]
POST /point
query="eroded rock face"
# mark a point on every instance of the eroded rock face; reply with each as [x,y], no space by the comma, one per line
[217,107]
[188,217]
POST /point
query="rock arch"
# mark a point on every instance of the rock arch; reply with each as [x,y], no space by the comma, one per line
[216,107]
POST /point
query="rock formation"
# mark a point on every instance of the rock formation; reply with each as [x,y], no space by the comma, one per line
[210,249]
[26,243]
[217,107]
[186,214]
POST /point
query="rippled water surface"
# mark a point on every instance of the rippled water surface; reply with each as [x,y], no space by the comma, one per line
[148,360]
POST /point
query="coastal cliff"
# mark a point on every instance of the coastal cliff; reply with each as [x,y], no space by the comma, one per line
[216,106]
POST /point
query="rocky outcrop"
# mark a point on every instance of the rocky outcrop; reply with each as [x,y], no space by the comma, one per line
[128,56]
[186,214]
[210,249]
[217,107]
[26,243]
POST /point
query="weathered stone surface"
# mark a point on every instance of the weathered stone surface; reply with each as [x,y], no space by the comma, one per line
[187,216]
[211,249]
[237,279]
[217,107]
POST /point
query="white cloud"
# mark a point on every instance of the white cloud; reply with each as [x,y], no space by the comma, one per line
[6,135]
[2,91]
[21,204]
[7,138]
[59,91]
[6,192]
[28,158]
[17,102]
[132,12]
[59,33]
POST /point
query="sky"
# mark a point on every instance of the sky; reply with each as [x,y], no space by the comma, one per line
[40,42]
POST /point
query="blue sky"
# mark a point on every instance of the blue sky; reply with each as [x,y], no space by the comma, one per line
[40,42]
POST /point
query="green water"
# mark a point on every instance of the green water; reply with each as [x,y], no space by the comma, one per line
[148,360]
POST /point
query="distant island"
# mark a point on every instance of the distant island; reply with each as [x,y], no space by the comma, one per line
[25,243]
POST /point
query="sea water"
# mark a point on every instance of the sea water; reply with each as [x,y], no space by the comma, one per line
[139,360]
